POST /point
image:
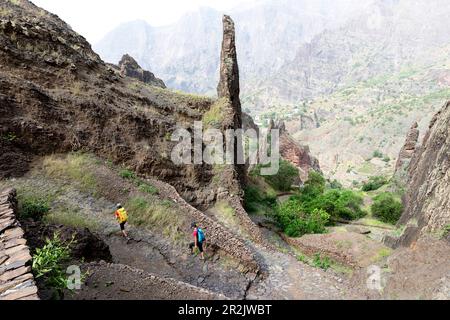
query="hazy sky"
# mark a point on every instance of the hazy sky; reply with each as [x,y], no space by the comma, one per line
[94,18]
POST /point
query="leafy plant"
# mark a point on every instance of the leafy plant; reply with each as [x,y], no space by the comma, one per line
[387,208]
[10,137]
[284,179]
[254,198]
[344,204]
[296,222]
[378,154]
[335,184]
[374,183]
[48,263]
[322,263]
[33,207]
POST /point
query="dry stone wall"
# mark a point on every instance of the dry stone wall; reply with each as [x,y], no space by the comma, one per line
[16,279]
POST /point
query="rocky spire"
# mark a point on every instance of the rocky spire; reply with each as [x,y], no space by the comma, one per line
[228,91]
[406,153]
[130,68]
[228,87]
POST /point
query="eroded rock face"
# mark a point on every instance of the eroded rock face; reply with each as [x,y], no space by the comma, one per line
[297,154]
[427,201]
[229,70]
[406,153]
[228,90]
[130,68]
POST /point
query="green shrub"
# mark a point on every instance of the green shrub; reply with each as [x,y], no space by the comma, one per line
[335,184]
[314,186]
[254,198]
[295,222]
[48,263]
[377,154]
[127,174]
[33,207]
[344,204]
[387,208]
[284,179]
[374,183]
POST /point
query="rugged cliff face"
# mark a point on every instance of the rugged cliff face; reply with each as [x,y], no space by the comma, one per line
[130,68]
[297,154]
[406,153]
[427,199]
[57,95]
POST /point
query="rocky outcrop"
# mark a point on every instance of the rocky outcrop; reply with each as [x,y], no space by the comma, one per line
[406,153]
[427,202]
[228,89]
[233,177]
[218,236]
[297,154]
[16,279]
[57,96]
[130,68]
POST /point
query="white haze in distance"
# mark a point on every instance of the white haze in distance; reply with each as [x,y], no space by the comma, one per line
[94,18]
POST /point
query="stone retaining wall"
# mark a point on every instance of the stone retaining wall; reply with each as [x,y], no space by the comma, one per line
[217,235]
[16,279]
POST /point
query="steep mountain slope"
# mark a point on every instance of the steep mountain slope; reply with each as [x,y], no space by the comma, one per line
[358,89]
[57,95]
[427,203]
[271,31]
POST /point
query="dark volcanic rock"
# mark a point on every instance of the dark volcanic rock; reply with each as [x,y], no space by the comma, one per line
[130,68]
[86,245]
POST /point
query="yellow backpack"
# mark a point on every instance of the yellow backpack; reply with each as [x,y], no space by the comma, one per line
[122,215]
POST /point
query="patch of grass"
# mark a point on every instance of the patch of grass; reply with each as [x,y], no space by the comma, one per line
[33,207]
[157,215]
[127,174]
[72,218]
[321,262]
[446,231]
[226,214]
[381,254]
[215,115]
[74,167]
[398,232]
[147,188]
[9,137]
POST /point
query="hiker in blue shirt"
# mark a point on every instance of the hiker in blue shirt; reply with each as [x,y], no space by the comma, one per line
[199,240]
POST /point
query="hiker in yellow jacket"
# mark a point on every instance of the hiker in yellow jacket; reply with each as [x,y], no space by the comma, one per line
[122,218]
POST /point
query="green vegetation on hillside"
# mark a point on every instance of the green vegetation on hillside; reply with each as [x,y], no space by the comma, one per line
[284,179]
[374,183]
[48,264]
[387,208]
[312,208]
